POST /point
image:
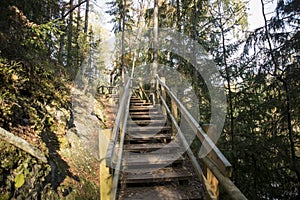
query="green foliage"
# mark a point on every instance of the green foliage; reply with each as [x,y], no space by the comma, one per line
[263,109]
[20,171]
[117,10]
[19,180]
[35,94]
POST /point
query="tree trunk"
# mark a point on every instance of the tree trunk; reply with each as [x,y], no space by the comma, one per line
[62,40]
[123,48]
[178,15]
[155,45]
[86,20]
[78,57]
[70,37]
[230,98]
[268,37]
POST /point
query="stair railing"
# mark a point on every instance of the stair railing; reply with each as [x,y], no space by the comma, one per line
[215,163]
[141,92]
[115,148]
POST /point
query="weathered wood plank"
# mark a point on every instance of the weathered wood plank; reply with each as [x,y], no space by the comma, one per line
[148,159]
[167,174]
[151,146]
[161,193]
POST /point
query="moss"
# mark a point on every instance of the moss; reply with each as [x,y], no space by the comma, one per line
[63,142]
[5,196]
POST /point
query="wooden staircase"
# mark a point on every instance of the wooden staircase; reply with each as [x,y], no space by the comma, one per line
[149,157]
[154,165]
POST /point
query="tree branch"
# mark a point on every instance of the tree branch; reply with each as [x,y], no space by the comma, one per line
[22,144]
[72,9]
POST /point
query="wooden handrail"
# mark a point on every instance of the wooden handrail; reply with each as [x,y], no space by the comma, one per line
[116,128]
[118,134]
[208,145]
[120,151]
[215,160]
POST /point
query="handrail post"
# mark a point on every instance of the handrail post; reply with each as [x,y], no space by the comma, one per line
[174,110]
[156,89]
[210,130]
[140,91]
[163,93]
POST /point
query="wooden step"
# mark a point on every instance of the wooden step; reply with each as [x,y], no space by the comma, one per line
[152,147]
[139,106]
[153,122]
[160,175]
[134,98]
[132,104]
[167,192]
[148,160]
[148,112]
[142,109]
[147,137]
[148,129]
[146,117]
[137,100]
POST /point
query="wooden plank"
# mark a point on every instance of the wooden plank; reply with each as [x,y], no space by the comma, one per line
[139,137]
[226,183]
[141,108]
[152,146]
[149,129]
[154,122]
[174,111]
[104,172]
[150,112]
[164,95]
[148,106]
[148,159]
[136,99]
[160,175]
[167,192]
[116,128]
[132,104]
[119,131]
[147,117]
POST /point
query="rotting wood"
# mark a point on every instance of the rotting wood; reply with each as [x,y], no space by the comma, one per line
[22,144]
